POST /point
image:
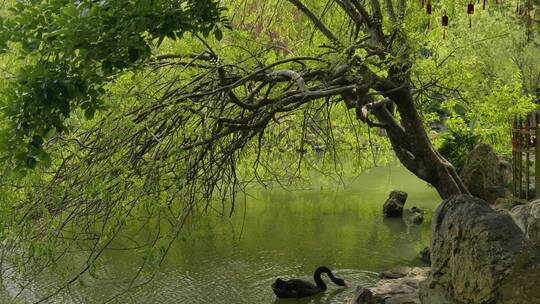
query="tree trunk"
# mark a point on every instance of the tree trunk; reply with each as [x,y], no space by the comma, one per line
[414,149]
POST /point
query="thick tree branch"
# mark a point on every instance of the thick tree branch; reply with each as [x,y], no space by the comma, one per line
[361,10]
[294,76]
[353,13]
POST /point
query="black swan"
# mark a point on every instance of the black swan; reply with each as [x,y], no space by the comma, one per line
[295,288]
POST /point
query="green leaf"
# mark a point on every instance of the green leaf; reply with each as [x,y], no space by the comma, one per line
[133,54]
[31,163]
[218,34]
[37,141]
[89,113]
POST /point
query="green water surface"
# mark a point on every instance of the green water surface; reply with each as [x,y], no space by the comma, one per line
[283,234]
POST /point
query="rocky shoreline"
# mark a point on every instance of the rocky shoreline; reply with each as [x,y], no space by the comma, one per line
[479,255]
[484,248]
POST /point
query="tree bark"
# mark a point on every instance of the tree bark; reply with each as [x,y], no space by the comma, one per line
[416,151]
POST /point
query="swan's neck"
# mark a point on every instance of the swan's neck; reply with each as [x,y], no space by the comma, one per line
[317,277]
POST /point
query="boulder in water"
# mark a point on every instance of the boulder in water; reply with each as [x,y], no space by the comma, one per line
[393,207]
[425,255]
[417,218]
[362,296]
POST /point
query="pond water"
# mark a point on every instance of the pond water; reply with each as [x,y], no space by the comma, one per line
[284,234]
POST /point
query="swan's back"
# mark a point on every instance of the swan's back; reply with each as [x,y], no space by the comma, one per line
[294,288]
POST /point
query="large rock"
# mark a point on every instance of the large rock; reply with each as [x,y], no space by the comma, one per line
[393,207]
[362,296]
[485,174]
[479,256]
[400,285]
[527,217]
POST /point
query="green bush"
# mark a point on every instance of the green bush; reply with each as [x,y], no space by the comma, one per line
[456,146]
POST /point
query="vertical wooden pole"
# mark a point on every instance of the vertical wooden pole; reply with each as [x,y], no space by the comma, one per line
[537,160]
[514,158]
[520,157]
[527,165]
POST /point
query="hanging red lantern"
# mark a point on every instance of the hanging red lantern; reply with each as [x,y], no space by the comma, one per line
[470,12]
[470,9]
[444,22]
[428,11]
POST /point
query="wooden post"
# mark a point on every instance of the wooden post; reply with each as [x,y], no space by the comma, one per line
[537,161]
[515,172]
[528,166]
[520,157]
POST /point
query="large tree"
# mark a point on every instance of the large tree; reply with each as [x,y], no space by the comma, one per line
[231,103]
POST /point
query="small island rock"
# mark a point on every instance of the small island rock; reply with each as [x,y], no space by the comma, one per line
[393,207]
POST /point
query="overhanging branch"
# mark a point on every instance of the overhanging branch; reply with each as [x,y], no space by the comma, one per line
[316,21]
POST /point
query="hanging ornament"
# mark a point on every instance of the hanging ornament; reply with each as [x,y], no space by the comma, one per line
[444,22]
[428,11]
[470,12]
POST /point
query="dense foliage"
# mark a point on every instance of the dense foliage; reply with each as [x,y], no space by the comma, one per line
[71,49]
[456,146]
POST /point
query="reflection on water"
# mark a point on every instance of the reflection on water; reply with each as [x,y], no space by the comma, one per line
[285,234]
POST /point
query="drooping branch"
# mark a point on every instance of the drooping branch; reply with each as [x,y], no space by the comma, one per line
[401,7]
[376,10]
[390,10]
[354,14]
[361,10]
[316,21]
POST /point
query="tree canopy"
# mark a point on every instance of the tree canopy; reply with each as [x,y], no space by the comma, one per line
[71,49]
